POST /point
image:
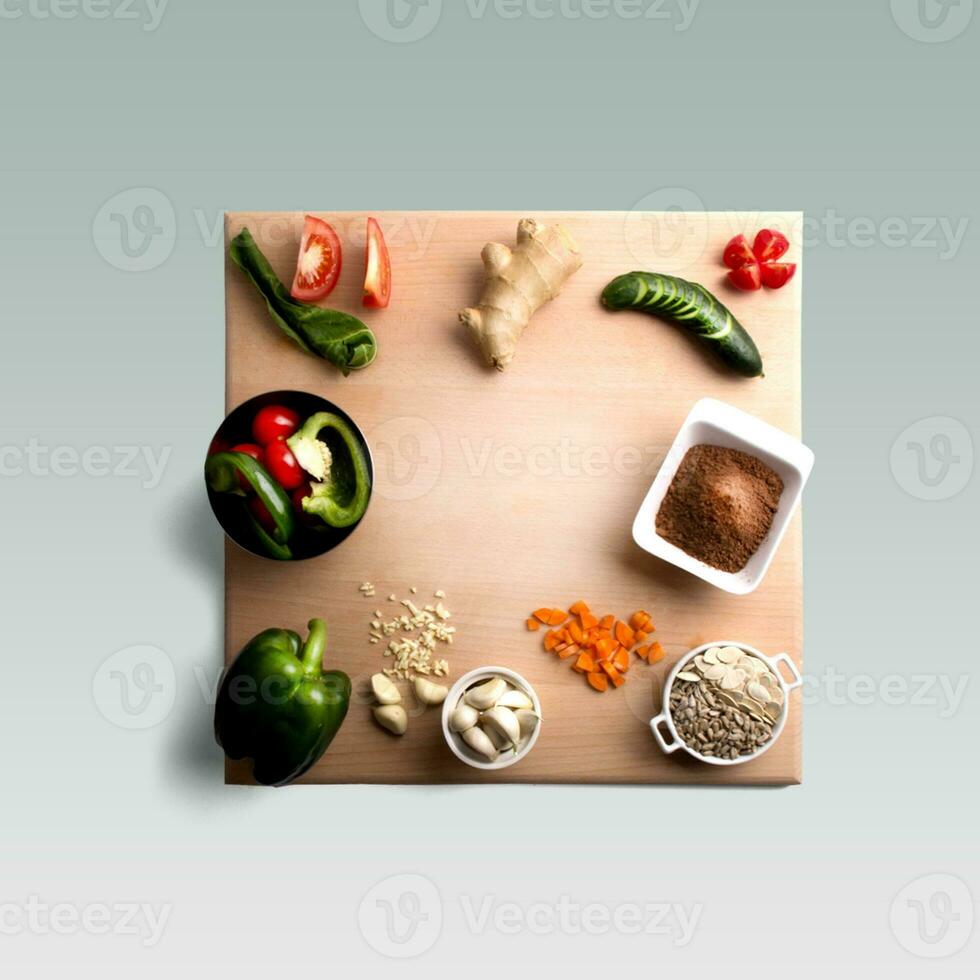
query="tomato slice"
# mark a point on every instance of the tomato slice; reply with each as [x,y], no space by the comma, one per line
[776,274]
[377,272]
[274,422]
[319,261]
[770,245]
[738,252]
[746,276]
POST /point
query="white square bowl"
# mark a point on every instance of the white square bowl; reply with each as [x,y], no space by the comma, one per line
[717,424]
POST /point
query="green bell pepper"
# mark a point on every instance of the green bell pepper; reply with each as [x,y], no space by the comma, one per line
[326,447]
[221,470]
[278,706]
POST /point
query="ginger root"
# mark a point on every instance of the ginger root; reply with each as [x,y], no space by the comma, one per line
[519,281]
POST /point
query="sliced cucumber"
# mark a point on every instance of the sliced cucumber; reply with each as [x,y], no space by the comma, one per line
[692,307]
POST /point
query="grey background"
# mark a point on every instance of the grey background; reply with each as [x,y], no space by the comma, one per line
[828,107]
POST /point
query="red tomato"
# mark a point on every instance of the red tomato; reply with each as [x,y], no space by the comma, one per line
[776,274]
[377,272]
[319,261]
[279,460]
[746,276]
[304,490]
[273,423]
[250,449]
[738,252]
[261,513]
[770,245]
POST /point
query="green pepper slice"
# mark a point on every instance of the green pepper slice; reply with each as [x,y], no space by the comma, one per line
[221,470]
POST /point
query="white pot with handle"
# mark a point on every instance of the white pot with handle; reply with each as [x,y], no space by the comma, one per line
[774,663]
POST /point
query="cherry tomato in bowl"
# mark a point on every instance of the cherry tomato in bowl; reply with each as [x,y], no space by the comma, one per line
[377,272]
[318,263]
[274,423]
[279,460]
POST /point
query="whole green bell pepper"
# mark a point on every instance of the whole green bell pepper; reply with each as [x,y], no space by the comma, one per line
[278,706]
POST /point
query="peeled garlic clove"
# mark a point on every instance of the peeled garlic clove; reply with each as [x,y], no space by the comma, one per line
[478,740]
[429,693]
[485,695]
[463,718]
[527,721]
[385,690]
[515,700]
[504,722]
[392,717]
[500,741]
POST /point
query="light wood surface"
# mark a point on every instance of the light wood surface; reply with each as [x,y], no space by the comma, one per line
[515,490]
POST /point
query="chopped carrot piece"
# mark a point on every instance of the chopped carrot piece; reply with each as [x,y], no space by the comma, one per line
[642,651]
[579,608]
[551,640]
[622,660]
[639,636]
[585,664]
[550,617]
[566,651]
[606,646]
[624,634]
[576,632]
[613,674]
[597,680]
[656,653]
[588,621]
[606,622]
[533,625]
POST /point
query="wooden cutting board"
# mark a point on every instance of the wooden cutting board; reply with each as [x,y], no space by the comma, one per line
[515,490]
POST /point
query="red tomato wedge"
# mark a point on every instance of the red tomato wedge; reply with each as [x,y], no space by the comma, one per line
[738,252]
[746,276]
[770,245]
[776,274]
[319,261]
[377,272]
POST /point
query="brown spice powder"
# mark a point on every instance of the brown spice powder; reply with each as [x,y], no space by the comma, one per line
[719,506]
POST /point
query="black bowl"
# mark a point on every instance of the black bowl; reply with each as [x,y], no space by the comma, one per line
[310,538]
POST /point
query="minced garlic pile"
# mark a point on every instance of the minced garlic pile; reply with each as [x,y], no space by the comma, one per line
[413,635]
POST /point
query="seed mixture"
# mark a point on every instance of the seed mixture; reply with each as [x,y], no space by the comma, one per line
[725,703]
[413,636]
[719,506]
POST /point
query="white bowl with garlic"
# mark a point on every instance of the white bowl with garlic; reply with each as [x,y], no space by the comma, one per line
[491,718]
